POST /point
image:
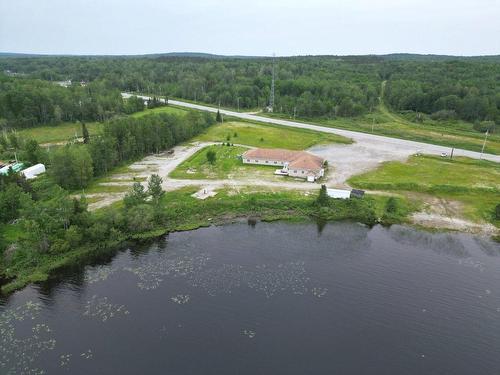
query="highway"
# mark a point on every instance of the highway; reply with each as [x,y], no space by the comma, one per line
[382,143]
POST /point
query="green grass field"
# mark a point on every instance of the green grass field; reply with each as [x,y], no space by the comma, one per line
[457,134]
[227,165]
[166,109]
[473,183]
[382,121]
[58,133]
[66,131]
[268,136]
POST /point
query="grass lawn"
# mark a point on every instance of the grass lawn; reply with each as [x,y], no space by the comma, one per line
[457,134]
[186,212]
[66,131]
[226,165]
[166,109]
[58,133]
[267,136]
[473,183]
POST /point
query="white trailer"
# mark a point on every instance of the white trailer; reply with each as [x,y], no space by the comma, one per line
[33,171]
[338,193]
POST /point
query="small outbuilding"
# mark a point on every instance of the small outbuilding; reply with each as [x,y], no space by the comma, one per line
[33,171]
[338,193]
[16,167]
[356,193]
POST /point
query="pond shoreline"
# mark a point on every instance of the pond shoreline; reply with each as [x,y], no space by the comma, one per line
[307,213]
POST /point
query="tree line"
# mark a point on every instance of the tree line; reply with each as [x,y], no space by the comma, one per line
[448,90]
[310,86]
[123,140]
[30,102]
[52,222]
[304,86]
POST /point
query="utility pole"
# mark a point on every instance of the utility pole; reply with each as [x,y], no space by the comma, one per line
[373,123]
[484,144]
[238,100]
[294,112]
[271,99]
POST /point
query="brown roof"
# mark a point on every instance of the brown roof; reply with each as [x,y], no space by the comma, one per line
[296,159]
[306,161]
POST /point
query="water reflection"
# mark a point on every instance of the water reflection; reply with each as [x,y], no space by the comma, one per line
[451,244]
[315,288]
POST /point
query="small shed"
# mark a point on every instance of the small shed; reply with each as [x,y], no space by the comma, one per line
[16,167]
[338,193]
[356,193]
[33,171]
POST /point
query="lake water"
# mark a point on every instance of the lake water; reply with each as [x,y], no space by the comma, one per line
[275,298]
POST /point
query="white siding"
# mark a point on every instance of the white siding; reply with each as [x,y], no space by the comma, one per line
[33,171]
[338,194]
[279,163]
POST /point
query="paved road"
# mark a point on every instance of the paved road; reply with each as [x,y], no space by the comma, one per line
[388,144]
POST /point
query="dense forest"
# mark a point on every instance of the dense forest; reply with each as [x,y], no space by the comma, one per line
[122,139]
[312,86]
[29,102]
[446,90]
[53,222]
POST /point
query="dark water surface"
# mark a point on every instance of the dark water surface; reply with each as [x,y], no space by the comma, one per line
[277,298]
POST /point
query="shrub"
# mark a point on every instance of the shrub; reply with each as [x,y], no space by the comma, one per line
[211,156]
[444,114]
[391,206]
[484,126]
[140,218]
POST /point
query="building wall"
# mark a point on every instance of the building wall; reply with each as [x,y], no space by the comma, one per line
[300,173]
[276,163]
[303,173]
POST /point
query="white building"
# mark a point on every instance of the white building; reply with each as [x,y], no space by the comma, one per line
[338,193]
[33,171]
[295,163]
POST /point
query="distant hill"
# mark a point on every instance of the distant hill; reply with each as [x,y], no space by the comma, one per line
[202,55]
[152,55]
[423,58]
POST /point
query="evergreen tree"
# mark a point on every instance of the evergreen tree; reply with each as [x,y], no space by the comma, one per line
[211,156]
[323,199]
[137,195]
[154,187]
[32,151]
[85,134]
[218,117]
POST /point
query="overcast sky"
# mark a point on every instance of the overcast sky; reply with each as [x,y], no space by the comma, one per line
[250,27]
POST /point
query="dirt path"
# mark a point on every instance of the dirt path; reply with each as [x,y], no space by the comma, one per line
[165,163]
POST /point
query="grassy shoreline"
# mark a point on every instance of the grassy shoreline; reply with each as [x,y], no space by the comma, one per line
[187,213]
[473,184]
